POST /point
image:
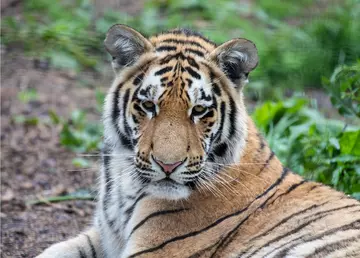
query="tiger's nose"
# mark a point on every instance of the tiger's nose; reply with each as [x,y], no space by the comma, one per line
[168,168]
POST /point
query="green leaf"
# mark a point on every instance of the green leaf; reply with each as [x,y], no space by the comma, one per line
[55,119]
[350,143]
[78,118]
[20,119]
[28,95]
[336,175]
[335,142]
[80,163]
[63,60]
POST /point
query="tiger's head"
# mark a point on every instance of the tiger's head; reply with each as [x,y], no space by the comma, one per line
[175,110]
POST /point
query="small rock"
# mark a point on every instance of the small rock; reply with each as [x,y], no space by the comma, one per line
[26,185]
[8,196]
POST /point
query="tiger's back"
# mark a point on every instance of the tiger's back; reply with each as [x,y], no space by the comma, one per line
[185,171]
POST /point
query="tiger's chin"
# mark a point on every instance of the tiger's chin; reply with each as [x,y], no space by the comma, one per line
[168,189]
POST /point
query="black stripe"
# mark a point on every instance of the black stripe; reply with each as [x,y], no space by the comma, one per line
[192,62]
[222,120]
[232,233]
[116,110]
[287,219]
[290,189]
[216,89]
[193,73]
[261,140]
[336,246]
[288,233]
[194,51]
[201,253]
[164,79]
[92,248]
[125,141]
[130,210]
[218,221]
[194,233]
[221,149]
[138,79]
[315,186]
[81,253]
[331,210]
[209,114]
[178,41]
[189,82]
[294,186]
[108,184]
[189,33]
[155,214]
[277,182]
[262,206]
[167,59]
[352,225]
[232,118]
[272,155]
[164,70]
[124,109]
[323,213]
[165,48]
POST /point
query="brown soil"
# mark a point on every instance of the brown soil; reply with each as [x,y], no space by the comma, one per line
[33,163]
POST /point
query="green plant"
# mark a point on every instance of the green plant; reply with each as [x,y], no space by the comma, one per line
[27,95]
[48,30]
[79,135]
[324,150]
[344,90]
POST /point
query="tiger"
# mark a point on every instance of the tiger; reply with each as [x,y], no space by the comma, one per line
[186,173]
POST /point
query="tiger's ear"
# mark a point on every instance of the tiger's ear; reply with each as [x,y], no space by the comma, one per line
[236,58]
[125,45]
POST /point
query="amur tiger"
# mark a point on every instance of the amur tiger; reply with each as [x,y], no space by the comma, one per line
[185,171]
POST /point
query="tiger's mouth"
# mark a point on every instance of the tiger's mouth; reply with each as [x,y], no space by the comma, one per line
[168,188]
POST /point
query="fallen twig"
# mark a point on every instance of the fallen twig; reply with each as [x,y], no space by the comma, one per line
[62,198]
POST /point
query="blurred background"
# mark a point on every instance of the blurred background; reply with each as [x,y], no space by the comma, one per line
[304,96]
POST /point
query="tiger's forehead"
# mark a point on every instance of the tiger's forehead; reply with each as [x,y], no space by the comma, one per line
[175,81]
[183,40]
[179,72]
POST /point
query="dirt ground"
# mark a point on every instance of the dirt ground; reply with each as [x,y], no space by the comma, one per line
[34,165]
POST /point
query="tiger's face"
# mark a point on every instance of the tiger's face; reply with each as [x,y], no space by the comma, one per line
[177,106]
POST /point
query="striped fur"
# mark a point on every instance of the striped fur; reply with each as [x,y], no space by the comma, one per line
[231,196]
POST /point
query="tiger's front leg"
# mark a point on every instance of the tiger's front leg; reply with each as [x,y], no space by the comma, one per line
[86,244]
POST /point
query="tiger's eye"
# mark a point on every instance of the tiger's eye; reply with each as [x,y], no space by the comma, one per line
[198,110]
[149,105]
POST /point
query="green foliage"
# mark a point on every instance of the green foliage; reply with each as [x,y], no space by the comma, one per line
[56,30]
[283,9]
[81,163]
[291,56]
[80,135]
[27,95]
[320,149]
[344,90]
[21,119]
